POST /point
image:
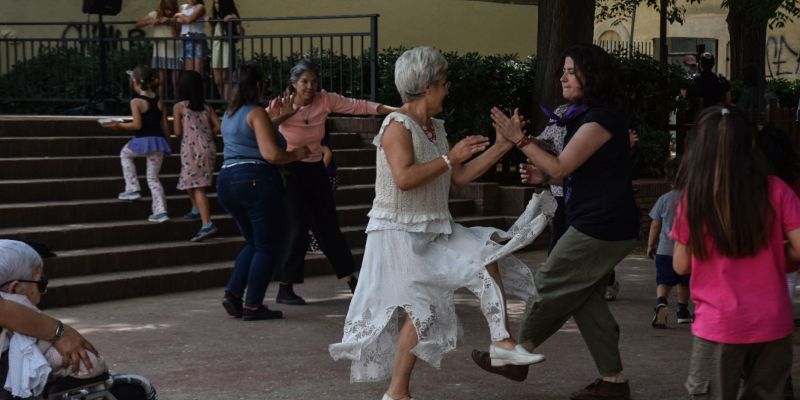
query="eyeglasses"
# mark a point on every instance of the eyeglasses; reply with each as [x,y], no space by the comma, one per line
[447,85]
[41,284]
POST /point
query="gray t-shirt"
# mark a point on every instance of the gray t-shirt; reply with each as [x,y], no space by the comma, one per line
[664,211]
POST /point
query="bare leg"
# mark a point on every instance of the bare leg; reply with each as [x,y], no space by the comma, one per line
[683,294]
[663,291]
[226,83]
[201,202]
[176,76]
[404,360]
[188,64]
[494,271]
[219,82]
[191,198]
[198,65]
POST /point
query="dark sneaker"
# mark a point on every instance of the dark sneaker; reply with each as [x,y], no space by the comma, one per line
[232,304]
[286,295]
[660,316]
[133,195]
[260,313]
[685,317]
[612,291]
[514,372]
[352,282]
[192,215]
[204,233]
[602,390]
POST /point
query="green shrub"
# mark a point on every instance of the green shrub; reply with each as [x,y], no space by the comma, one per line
[787,92]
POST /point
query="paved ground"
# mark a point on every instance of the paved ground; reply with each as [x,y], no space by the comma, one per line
[191,349]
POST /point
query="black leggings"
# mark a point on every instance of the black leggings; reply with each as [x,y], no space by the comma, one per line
[310,204]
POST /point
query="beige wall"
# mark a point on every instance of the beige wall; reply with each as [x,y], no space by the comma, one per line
[707,20]
[452,25]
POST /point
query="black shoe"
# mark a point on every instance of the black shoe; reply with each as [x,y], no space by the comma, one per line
[352,282]
[685,317]
[262,312]
[232,304]
[514,372]
[286,295]
[601,389]
[660,316]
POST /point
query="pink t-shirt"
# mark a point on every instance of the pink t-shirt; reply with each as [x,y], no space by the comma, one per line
[744,300]
[306,127]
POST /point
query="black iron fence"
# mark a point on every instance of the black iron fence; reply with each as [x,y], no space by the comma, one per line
[626,48]
[86,65]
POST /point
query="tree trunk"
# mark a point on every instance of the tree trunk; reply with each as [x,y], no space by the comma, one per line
[663,52]
[561,24]
[748,34]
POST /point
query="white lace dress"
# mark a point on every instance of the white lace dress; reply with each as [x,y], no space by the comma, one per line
[417,267]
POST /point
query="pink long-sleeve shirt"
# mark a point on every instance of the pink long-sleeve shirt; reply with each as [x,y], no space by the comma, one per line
[306,127]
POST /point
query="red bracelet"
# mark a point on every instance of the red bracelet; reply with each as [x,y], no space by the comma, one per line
[525,141]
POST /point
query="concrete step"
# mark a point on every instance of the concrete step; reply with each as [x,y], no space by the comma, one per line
[71,291]
[149,280]
[59,125]
[84,211]
[25,190]
[87,166]
[111,144]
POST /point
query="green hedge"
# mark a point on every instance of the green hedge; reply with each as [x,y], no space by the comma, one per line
[477,84]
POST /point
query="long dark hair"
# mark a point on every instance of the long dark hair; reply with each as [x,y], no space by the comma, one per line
[725,183]
[191,88]
[168,4]
[247,90]
[596,72]
[226,7]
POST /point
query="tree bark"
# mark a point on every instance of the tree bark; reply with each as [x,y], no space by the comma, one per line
[747,26]
[663,52]
[561,24]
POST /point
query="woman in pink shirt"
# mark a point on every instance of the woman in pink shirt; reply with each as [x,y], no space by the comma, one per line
[729,232]
[300,118]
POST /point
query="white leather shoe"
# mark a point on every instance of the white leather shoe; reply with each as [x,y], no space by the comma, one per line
[387,397]
[517,356]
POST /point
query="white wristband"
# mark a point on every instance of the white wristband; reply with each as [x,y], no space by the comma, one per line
[447,161]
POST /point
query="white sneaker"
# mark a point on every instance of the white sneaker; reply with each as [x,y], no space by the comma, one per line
[129,196]
[387,397]
[158,217]
[517,356]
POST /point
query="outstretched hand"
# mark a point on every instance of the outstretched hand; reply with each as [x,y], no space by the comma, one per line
[509,127]
[282,107]
[529,174]
[302,152]
[468,147]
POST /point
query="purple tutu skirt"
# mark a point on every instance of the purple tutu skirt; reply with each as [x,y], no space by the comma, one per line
[149,144]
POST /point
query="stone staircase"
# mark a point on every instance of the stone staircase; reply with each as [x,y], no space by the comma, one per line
[59,178]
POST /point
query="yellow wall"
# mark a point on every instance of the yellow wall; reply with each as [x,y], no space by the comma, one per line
[708,20]
[452,25]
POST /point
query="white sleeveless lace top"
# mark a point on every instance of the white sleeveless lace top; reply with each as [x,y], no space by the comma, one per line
[423,209]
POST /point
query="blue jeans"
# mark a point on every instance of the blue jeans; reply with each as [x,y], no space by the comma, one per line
[253,195]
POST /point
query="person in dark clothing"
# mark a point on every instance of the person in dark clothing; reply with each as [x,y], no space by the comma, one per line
[713,88]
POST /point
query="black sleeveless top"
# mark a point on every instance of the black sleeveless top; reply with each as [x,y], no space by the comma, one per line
[151,119]
[599,194]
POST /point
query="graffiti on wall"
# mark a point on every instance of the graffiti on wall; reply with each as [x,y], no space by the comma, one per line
[782,60]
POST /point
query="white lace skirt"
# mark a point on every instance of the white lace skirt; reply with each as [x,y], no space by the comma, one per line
[419,272]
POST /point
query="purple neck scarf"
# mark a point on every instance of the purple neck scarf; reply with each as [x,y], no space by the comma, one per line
[573,110]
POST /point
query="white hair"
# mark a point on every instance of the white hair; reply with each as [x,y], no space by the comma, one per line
[416,69]
[17,261]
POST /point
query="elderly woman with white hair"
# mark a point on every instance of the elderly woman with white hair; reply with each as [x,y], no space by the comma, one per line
[22,282]
[416,256]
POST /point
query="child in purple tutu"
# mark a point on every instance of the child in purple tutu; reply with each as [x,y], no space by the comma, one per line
[150,124]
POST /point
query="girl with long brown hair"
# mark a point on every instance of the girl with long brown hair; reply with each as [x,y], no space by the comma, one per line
[729,229]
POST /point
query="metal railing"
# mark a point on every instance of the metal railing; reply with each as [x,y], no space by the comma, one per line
[87,64]
[626,48]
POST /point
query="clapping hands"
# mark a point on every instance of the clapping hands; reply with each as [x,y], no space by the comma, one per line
[508,127]
[529,174]
[467,147]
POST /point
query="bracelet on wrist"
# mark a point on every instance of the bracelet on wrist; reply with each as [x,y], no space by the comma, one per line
[447,161]
[526,140]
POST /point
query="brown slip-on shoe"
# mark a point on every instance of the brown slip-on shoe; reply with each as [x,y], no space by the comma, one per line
[602,390]
[514,372]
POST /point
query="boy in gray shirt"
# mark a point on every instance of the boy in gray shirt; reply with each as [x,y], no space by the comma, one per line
[662,214]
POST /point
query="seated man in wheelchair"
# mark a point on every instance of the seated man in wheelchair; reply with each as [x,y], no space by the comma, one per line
[33,369]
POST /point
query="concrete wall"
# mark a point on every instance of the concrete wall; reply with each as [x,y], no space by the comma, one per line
[452,25]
